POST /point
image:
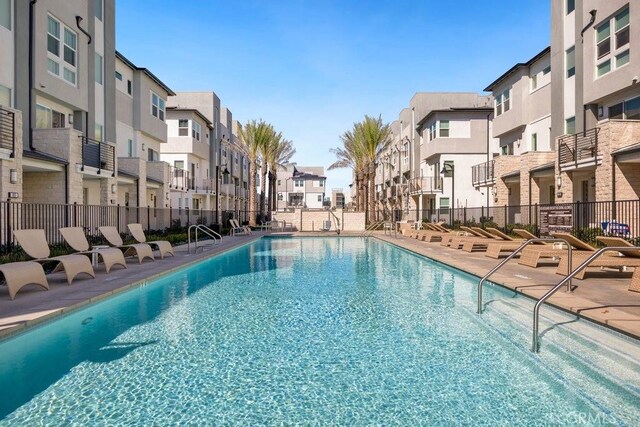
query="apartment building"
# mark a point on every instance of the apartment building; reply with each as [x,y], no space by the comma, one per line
[57,104]
[300,186]
[187,151]
[338,199]
[521,171]
[228,166]
[437,131]
[596,99]
[141,131]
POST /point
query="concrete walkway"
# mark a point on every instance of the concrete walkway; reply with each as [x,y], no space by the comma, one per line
[602,297]
[34,305]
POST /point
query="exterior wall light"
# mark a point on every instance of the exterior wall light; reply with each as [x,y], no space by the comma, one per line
[13,176]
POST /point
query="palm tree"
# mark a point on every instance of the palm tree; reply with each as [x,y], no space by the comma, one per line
[279,156]
[375,137]
[350,156]
[267,148]
[252,138]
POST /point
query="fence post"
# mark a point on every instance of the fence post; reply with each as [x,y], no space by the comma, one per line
[506,220]
[188,219]
[8,222]
[148,218]
[464,215]
[118,216]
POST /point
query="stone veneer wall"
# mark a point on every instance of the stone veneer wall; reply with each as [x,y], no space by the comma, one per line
[7,163]
[312,220]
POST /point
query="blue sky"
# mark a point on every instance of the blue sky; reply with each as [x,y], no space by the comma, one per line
[313,68]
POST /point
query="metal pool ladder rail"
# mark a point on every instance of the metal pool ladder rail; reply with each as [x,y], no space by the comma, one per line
[535,347]
[516,252]
[371,228]
[206,230]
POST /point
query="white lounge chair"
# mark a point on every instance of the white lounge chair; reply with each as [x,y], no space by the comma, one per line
[34,243]
[141,250]
[164,247]
[236,228]
[74,236]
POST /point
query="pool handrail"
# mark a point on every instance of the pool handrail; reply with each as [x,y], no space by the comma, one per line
[516,252]
[535,345]
[206,230]
[370,228]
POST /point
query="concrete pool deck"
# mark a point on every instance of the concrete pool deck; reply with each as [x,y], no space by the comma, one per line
[603,300]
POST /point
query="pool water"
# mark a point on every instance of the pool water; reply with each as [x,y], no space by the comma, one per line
[317,331]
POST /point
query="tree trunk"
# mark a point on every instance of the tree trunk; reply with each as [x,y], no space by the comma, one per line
[272,191]
[263,189]
[371,193]
[252,193]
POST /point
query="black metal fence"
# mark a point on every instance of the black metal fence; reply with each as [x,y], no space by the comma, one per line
[52,217]
[620,217]
[98,154]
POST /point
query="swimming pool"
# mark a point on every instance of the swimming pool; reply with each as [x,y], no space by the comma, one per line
[317,330]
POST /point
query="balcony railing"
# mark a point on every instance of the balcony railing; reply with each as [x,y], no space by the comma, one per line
[179,179]
[483,173]
[203,185]
[7,130]
[578,147]
[425,185]
[98,154]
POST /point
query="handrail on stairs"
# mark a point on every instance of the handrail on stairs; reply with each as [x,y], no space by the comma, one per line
[516,252]
[206,230]
[535,346]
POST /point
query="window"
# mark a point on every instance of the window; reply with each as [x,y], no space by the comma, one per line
[632,109]
[534,82]
[98,6]
[629,110]
[298,183]
[507,150]
[98,132]
[47,118]
[448,168]
[321,183]
[612,43]
[178,164]
[319,197]
[152,155]
[503,102]
[616,111]
[444,203]
[98,69]
[546,70]
[5,14]
[157,106]
[129,87]
[432,131]
[280,197]
[183,127]
[534,142]
[570,61]
[60,38]
[5,96]
[130,148]
[195,130]
[570,126]
[118,76]
[444,129]
[571,6]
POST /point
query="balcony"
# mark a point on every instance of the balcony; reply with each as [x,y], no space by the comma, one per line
[179,179]
[482,175]
[7,130]
[99,155]
[203,185]
[425,185]
[579,150]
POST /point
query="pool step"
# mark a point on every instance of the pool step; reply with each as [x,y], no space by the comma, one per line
[595,368]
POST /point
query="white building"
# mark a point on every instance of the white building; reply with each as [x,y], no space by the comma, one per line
[300,186]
